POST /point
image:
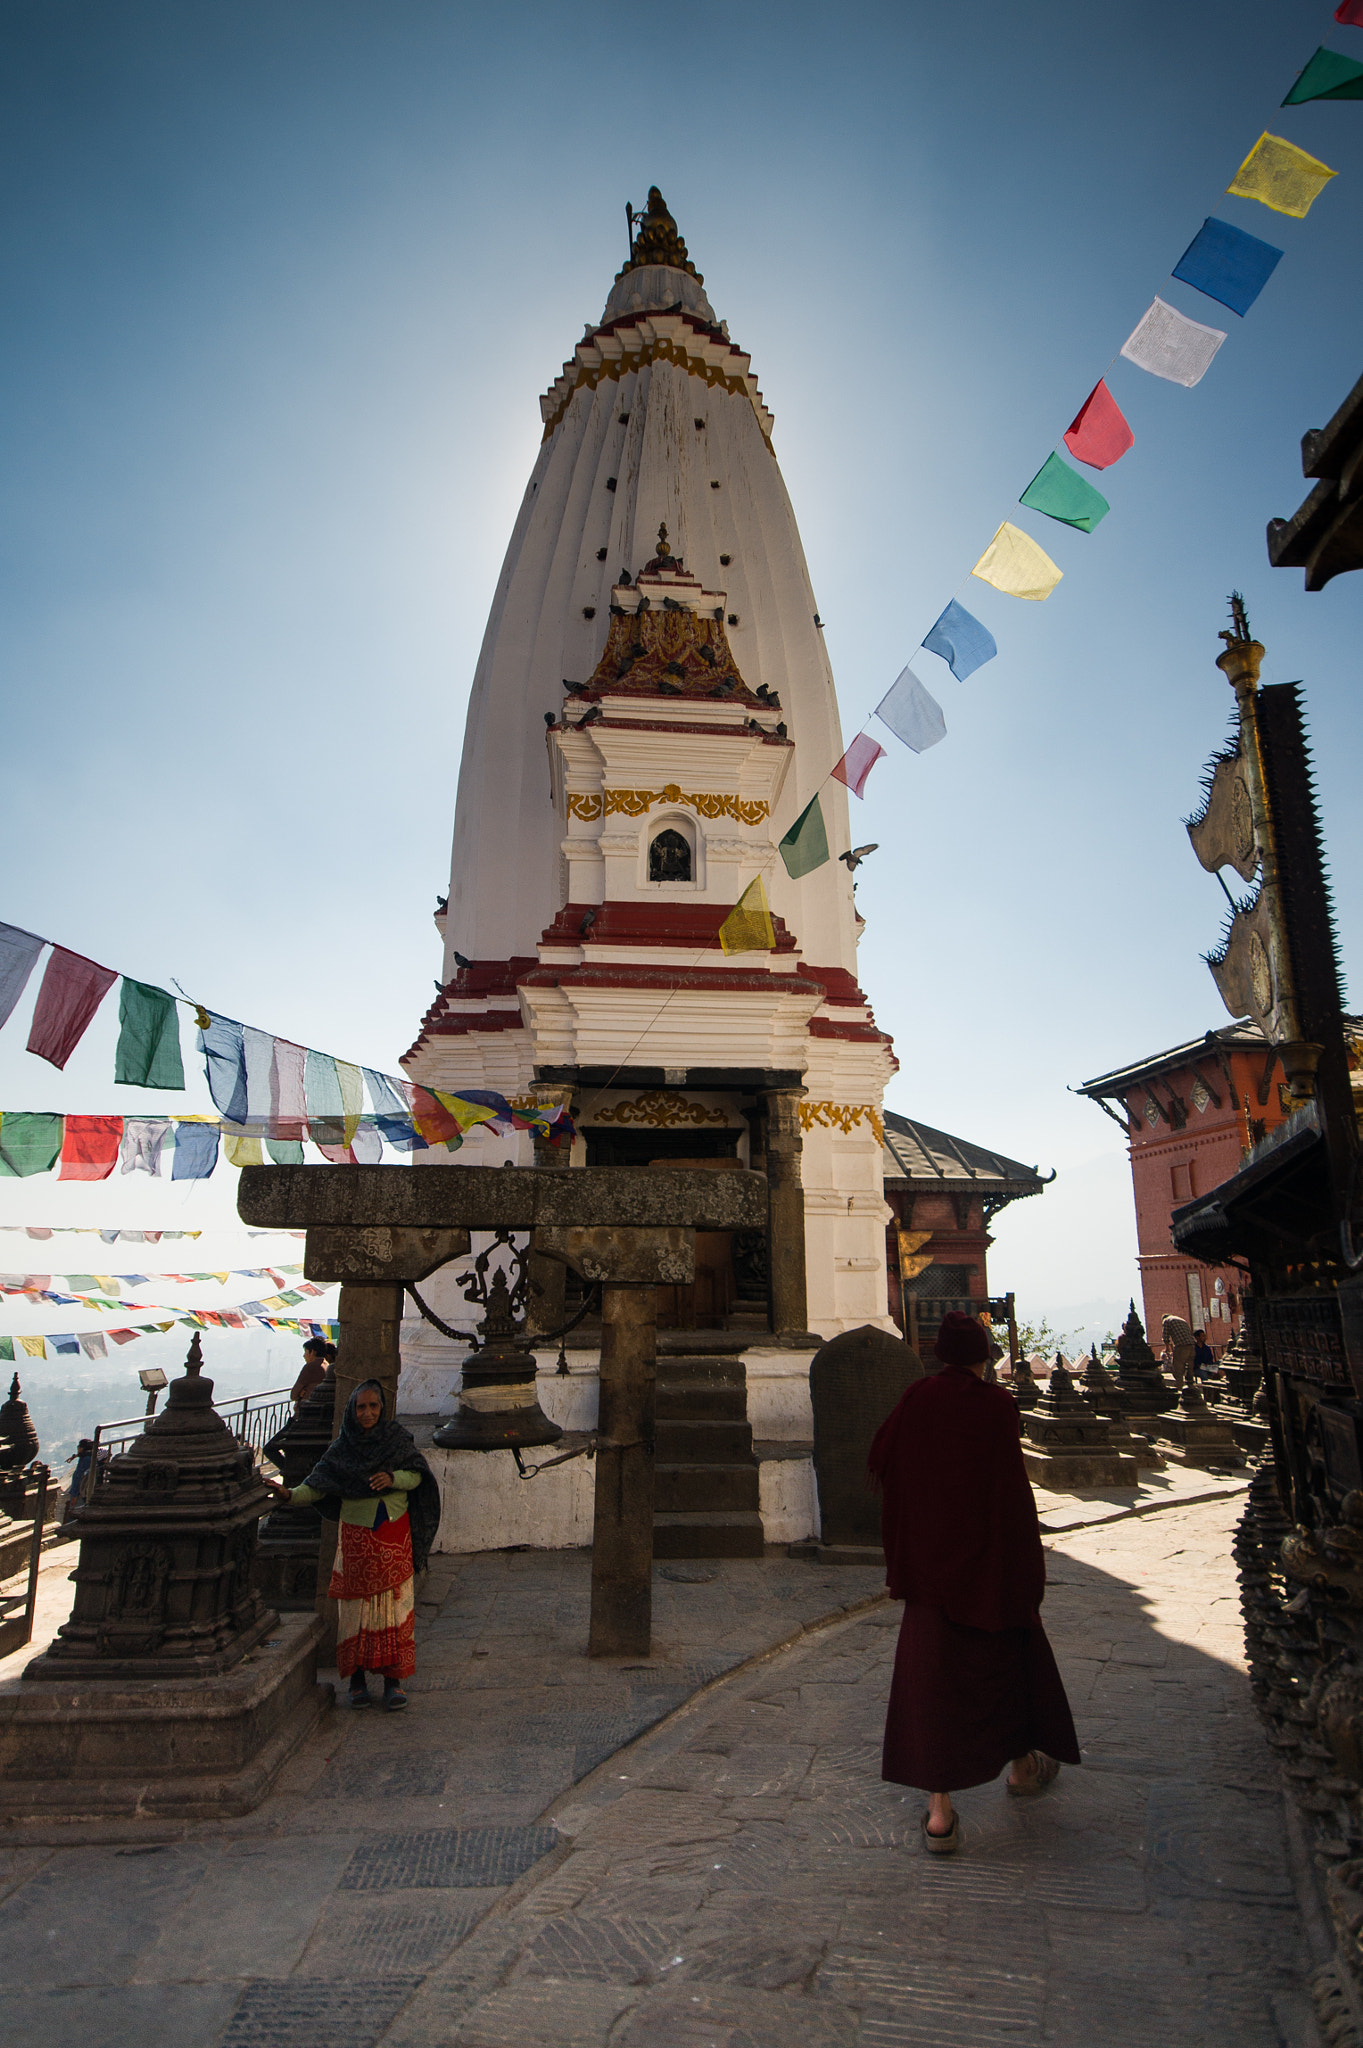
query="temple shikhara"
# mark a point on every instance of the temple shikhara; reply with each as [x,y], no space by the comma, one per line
[652,710]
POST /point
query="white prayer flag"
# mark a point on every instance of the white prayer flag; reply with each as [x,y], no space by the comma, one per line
[1168,344]
[912,714]
[93,1345]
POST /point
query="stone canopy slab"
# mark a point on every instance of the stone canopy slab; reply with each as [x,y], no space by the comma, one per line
[498,1198]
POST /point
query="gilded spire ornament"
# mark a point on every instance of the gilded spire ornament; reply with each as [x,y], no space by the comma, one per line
[653,238]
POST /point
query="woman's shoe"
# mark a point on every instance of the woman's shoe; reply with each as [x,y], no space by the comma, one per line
[393,1695]
[359,1691]
[1046,1771]
[942,1845]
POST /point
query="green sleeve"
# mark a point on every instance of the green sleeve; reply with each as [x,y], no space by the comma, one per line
[406,1482]
[303,1496]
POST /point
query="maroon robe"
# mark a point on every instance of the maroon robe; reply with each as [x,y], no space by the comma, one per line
[975,1683]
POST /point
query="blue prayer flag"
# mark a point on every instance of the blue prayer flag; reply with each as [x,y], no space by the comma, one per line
[1226,264]
[196,1147]
[963,643]
[401,1133]
[65,1343]
[383,1094]
[223,1046]
[912,714]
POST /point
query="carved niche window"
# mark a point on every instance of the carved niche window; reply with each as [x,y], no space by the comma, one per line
[669,858]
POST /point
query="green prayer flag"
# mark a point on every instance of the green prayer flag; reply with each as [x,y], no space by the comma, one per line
[148,1054]
[1061,493]
[1328,77]
[805,846]
[30,1141]
[7,1350]
[285,1151]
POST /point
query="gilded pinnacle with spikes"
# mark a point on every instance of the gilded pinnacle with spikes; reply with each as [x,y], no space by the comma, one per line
[653,238]
[1243,654]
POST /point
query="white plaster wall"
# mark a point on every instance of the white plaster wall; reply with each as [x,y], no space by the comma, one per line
[789,1500]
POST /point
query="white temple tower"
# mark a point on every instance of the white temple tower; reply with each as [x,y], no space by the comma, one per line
[653,708]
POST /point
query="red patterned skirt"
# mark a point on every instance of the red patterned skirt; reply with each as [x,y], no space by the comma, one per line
[373,1587]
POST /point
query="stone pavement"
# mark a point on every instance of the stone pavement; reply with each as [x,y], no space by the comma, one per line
[740,1877]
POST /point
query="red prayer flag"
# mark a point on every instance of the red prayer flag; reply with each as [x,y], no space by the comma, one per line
[431,1118]
[1098,434]
[1350,12]
[120,1336]
[90,1147]
[861,757]
[73,989]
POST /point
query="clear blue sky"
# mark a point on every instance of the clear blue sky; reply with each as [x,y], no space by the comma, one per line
[282,285]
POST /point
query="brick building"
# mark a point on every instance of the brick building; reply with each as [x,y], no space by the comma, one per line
[1189,1115]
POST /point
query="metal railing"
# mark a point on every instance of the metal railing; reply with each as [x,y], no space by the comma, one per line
[252,1419]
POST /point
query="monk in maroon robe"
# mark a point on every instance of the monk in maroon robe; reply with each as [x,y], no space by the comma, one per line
[975,1684]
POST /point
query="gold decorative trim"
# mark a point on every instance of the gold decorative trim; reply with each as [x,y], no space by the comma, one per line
[841,1116]
[656,1106]
[661,351]
[636,803]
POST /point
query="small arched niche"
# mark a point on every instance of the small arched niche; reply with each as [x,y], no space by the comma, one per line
[671,856]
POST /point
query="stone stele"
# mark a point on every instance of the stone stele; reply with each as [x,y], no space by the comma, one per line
[854,1381]
[172,1690]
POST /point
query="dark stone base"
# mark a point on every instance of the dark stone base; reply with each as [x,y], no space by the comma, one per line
[1253,1438]
[83,1661]
[200,1748]
[1199,1441]
[702,1532]
[285,1575]
[864,1554]
[1062,1471]
[16,1540]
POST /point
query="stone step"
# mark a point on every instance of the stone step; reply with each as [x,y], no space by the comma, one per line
[680,1489]
[703,1440]
[707,1534]
[700,1404]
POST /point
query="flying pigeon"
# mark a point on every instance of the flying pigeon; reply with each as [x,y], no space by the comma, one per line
[858,854]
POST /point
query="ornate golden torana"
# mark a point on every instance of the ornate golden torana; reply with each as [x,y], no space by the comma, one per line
[636,803]
[841,1116]
[661,650]
[656,1106]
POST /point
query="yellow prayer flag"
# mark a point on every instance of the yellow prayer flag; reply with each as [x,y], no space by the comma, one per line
[1281,176]
[468,1115]
[35,1346]
[105,1282]
[241,1150]
[352,1097]
[748,927]
[1014,563]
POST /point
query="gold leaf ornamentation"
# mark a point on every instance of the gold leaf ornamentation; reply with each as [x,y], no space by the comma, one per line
[841,1116]
[665,1111]
[637,803]
[585,806]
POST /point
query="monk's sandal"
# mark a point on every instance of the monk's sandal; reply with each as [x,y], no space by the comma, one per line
[1046,1771]
[942,1845]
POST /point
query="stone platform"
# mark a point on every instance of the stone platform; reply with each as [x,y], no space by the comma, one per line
[82,1749]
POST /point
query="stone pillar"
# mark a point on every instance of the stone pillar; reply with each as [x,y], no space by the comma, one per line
[622,1541]
[785,1210]
[369,1349]
[544,1308]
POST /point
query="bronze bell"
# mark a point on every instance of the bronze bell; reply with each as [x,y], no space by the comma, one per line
[499,1408]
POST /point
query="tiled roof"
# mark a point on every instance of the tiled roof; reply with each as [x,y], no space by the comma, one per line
[916,1152]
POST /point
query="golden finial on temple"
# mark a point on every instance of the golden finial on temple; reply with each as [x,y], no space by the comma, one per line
[653,238]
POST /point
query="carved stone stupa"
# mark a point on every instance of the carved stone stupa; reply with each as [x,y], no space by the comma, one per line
[1141,1384]
[1194,1434]
[284,1570]
[1104,1396]
[172,1690]
[1065,1446]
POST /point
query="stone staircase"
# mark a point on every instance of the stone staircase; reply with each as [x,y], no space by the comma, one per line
[705,1501]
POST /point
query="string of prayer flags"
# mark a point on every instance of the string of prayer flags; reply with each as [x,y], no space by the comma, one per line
[1281,176]
[1225,263]
[72,990]
[1061,493]
[748,927]
[19,951]
[90,1147]
[805,846]
[1170,345]
[223,1045]
[857,763]
[30,1141]
[1098,434]
[148,1053]
[1329,76]
[912,713]
[196,1151]
[1016,564]
[963,643]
